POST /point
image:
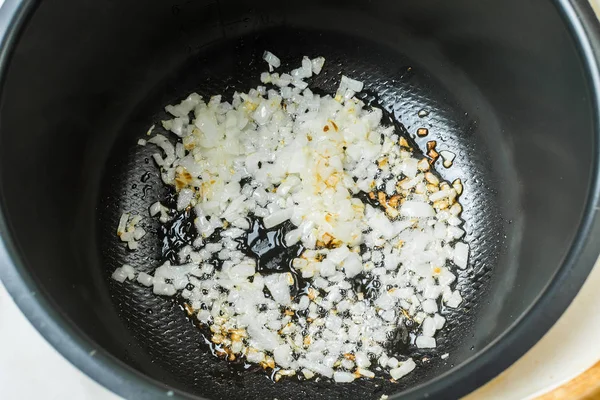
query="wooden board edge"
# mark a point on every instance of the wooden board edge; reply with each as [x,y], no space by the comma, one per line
[585,386]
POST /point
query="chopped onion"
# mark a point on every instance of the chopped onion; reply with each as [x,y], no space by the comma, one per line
[300,162]
[424,342]
[343,377]
[271,59]
[461,254]
[416,209]
[405,368]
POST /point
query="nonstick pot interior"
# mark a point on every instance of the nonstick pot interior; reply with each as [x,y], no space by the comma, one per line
[506,88]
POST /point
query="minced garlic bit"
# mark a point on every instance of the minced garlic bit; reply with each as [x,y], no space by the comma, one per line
[308,159]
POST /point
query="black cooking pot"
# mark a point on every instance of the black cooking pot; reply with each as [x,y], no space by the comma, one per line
[510,86]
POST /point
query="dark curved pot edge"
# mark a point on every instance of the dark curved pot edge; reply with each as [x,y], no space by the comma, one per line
[489,362]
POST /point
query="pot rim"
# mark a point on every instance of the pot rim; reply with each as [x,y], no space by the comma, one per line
[125,381]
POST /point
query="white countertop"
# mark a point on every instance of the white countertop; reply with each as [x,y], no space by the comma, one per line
[30,368]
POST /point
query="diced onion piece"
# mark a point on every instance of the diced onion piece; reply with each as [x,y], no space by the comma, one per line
[461,255]
[343,377]
[271,59]
[351,84]
[145,279]
[424,342]
[416,209]
[405,368]
[317,65]
[277,218]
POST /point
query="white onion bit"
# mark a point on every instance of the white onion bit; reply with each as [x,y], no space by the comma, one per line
[271,59]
